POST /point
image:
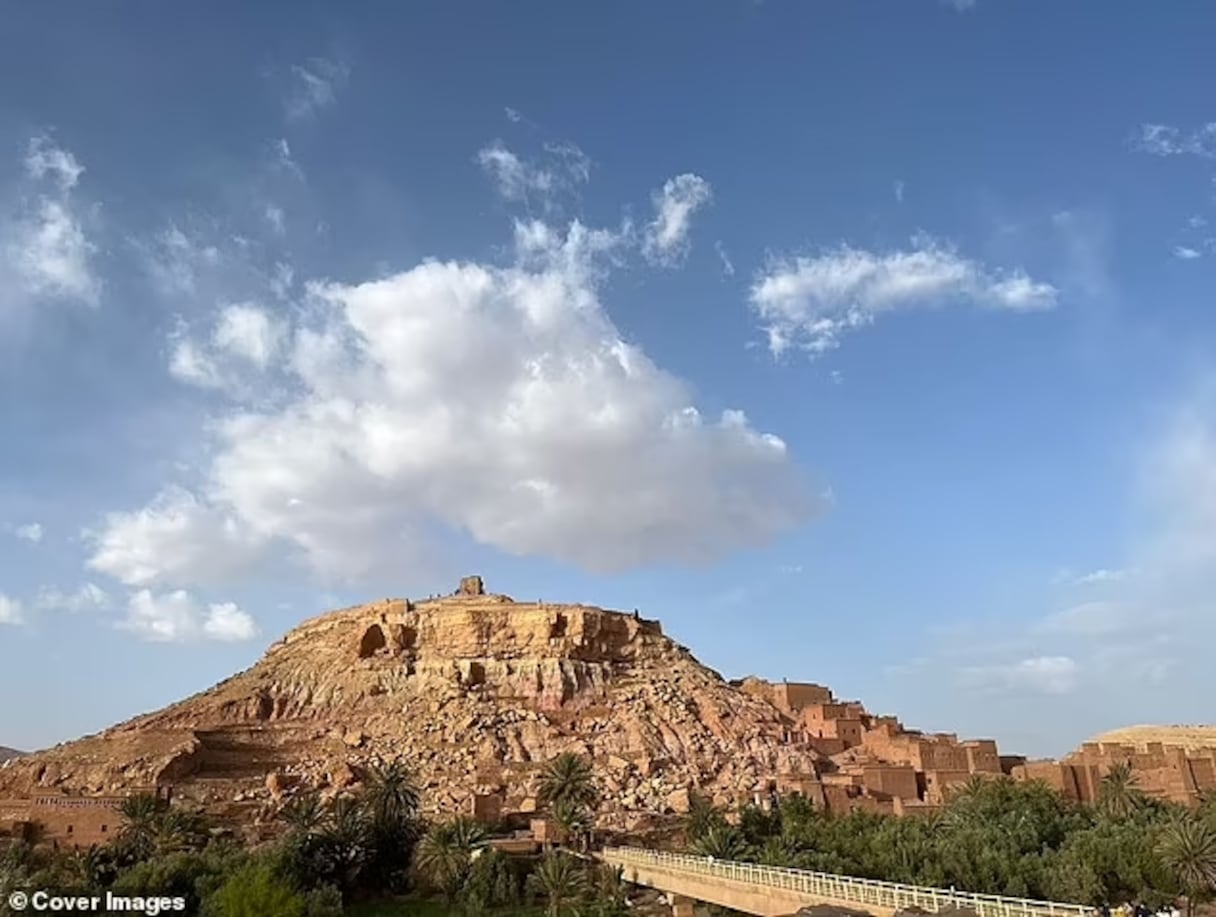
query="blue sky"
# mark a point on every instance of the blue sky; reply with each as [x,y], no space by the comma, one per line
[862,342]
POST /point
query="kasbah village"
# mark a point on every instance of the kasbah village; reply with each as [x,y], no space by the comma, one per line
[552,669]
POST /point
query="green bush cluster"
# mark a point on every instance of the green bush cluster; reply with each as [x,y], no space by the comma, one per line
[994,836]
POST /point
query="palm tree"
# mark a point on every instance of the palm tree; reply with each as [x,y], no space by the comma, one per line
[559,878]
[1119,796]
[568,778]
[140,814]
[721,842]
[391,795]
[304,815]
[1188,848]
[346,840]
[445,854]
[702,814]
[574,820]
[175,831]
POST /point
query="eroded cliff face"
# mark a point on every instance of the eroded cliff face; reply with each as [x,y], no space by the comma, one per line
[475,691]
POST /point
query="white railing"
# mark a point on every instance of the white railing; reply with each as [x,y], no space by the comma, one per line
[891,895]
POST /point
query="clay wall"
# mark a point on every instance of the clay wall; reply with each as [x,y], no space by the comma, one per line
[848,731]
[792,697]
[486,808]
[938,783]
[76,822]
[982,756]
[815,714]
[826,746]
[894,780]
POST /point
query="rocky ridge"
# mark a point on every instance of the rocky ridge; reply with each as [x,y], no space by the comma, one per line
[475,691]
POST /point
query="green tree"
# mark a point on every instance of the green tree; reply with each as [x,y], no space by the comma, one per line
[702,815]
[722,842]
[1119,795]
[568,778]
[391,795]
[560,880]
[304,815]
[574,820]
[390,800]
[256,890]
[445,855]
[140,814]
[1188,848]
[492,882]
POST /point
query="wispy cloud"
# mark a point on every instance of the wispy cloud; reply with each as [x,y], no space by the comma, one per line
[811,302]
[30,531]
[1165,140]
[1186,253]
[675,204]
[315,86]
[1040,674]
[89,597]
[45,247]
[520,181]
[728,267]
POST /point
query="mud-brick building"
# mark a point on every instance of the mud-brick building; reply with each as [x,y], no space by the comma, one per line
[63,822]
[1176,771]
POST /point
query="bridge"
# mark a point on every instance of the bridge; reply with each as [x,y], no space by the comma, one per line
[770,891]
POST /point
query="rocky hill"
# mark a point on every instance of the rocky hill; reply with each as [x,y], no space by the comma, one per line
[6,753]
[1188,738]
[476,691]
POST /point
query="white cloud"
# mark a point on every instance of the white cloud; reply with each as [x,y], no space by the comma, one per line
[315,86]
[514,179]
[45,159]
[519,181]
[512,115]
[244,341]
[498,402]
[177,617]
[1042,674]
[728,267]
[1164,140]
[31,532]
[899,192]
[176,538]
[45,250]
[675,204]
[1186,253]
[1101,576]
[10,610]
[811,302]
[88,597]
[248,332]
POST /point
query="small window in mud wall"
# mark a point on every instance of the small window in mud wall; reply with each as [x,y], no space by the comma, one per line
[373,640]
[69,829]
[103,829]
[558,628]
